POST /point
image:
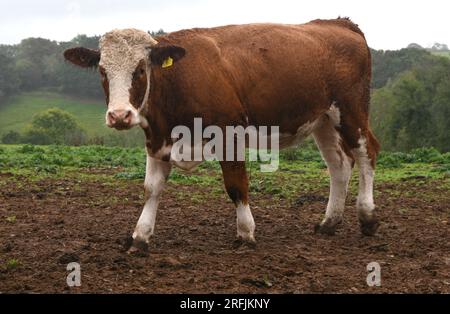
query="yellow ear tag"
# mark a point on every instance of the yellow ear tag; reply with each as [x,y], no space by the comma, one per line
[167,63]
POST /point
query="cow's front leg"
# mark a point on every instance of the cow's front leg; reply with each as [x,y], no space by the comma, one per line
[156,175]
[236,184]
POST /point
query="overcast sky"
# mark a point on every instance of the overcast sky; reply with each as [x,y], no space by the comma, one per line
[388,24]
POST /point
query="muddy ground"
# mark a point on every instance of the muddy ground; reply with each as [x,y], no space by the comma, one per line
[49,223]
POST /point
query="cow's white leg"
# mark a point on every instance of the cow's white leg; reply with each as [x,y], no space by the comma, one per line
[236,184]
[365,203]
[245,223]
[156,175]
[340,167]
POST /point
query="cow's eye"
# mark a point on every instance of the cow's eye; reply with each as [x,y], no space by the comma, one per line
[139,73]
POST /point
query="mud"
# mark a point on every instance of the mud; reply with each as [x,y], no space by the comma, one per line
[194,248]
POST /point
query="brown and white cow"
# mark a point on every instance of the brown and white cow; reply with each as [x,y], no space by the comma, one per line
[312,78]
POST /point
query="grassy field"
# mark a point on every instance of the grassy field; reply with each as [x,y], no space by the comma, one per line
[303,168]
[18,112]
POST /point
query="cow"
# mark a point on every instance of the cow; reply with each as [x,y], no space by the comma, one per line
[308,79]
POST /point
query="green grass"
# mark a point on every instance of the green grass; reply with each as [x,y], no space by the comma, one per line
[12,264]
[303,169]
[18,111]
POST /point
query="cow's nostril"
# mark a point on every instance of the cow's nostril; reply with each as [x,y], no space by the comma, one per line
[112,117]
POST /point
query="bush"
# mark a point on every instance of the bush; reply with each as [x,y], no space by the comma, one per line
[446,158]
[75,138]
[55,126]
[12,137]
[131,138]
[390,160]
[290,154]
[29,149]
[419,155]
[426,154]
[37,137]
[96,140]
[305,152]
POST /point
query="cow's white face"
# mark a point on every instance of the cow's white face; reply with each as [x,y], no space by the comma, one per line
[124,60]
[124,67]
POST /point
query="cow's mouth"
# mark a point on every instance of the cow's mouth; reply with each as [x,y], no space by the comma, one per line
[121,126]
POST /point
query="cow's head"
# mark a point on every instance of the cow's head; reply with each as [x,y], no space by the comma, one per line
[124,61]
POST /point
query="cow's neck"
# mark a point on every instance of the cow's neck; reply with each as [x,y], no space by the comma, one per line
[157,131]
[159,112]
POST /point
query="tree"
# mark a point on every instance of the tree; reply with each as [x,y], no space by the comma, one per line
[154,34]
[85,41]
[32,63]
[55,126]
[38,63]
[388,65]
[439,47]
[73,81]
[8,76]
[414,46]
[413,110]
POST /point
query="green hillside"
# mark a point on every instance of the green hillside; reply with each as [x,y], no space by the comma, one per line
[18,111]
[441,53]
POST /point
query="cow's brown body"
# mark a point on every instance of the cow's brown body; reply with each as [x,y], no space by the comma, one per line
[316,75]
[283,75]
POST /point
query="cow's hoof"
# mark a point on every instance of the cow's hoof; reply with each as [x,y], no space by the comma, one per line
[126,243]
[326,228]
[370,226]
[139,248]
[246,236]
[248,242]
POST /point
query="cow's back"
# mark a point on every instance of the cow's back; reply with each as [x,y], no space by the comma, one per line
[273,74]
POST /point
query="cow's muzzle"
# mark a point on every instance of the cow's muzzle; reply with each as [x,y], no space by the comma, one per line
[119,119]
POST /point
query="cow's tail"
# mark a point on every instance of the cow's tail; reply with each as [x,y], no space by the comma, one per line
[347,23]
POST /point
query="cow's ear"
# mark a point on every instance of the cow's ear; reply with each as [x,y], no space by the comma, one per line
[164,55]
[83,57]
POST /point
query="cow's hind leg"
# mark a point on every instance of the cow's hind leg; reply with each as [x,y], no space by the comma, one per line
[236,184]
[365,155]
[353,104]
[156,176]
[340,163]
[354,129]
